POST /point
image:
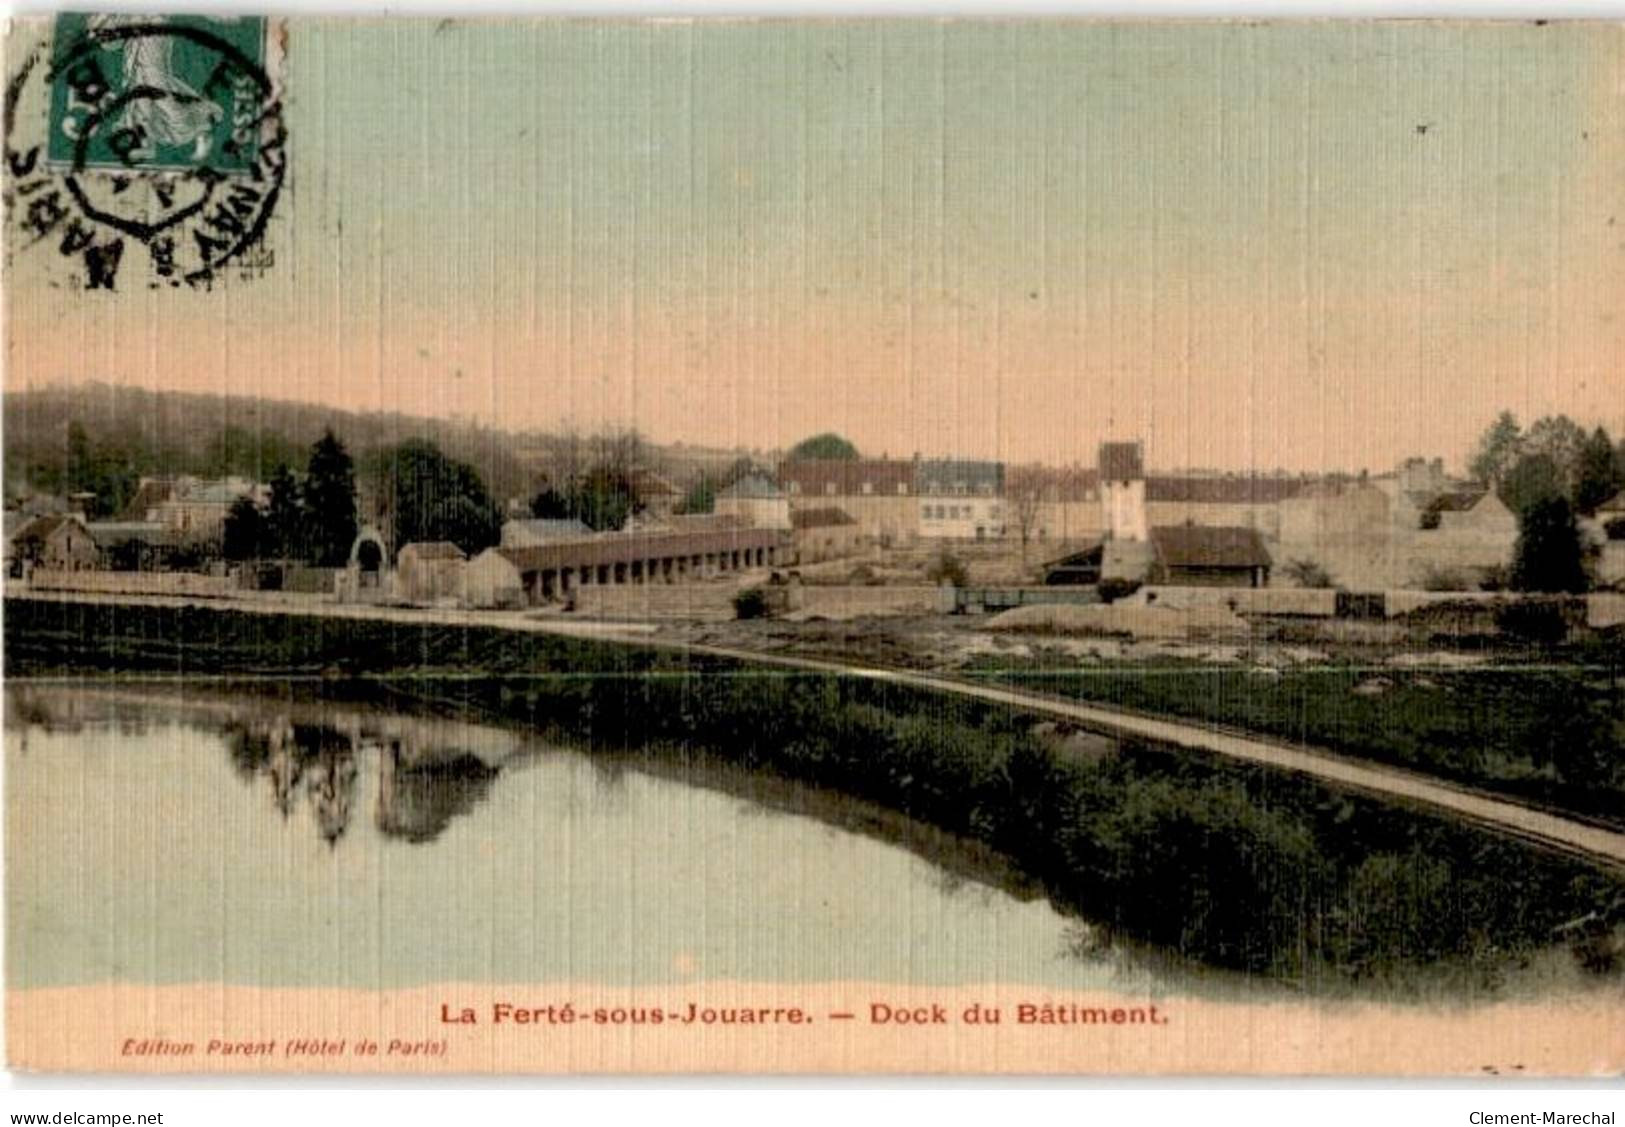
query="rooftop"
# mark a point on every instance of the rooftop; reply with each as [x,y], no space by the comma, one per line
[753,486]
[1121,461]
[1217,546]
[821,518]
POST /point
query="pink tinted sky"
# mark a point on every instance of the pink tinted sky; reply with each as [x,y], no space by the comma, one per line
[1304,245]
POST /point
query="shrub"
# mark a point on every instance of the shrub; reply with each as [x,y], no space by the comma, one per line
[1110,590]
[1435,578]
[1497,577]
[1533,620]
[1308,573]
[948,569]
[750,603]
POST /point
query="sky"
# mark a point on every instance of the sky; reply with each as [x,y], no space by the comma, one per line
[1312,246]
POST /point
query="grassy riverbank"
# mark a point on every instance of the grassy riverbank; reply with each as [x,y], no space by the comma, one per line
[1548,731]
[1226,864]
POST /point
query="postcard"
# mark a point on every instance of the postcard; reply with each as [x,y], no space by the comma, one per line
[833,546]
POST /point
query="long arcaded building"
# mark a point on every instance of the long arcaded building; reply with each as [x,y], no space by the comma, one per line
[552,571]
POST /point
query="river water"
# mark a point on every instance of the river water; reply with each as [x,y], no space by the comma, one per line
[156,837]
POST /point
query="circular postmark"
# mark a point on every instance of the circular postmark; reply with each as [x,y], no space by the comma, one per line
[164,133]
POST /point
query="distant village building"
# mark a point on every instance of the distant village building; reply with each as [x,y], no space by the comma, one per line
[1064,505]
[1122,491]
[654,492]
[55,542]
[960,499]
[876,492]
[429,571]
[132,545]
[1246,500]
[191,508]
[149,494]
[822,534]
[553,571]
[757,501]
[1194,555]
[1413,527]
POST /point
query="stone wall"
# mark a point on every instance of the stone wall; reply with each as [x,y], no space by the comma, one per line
[183,583]
[855,602]
[699,602]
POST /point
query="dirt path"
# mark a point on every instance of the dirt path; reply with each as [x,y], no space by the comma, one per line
[1503,815]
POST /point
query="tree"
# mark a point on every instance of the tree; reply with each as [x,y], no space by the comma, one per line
[1498,450]
[701,496]
[102,470]
[602,498]
[1534,479]
[429,496]
[284,532]
[246,453]
[1561,439]
[549,504]
[1597,478]
[243,537]
[948,570]
[825,446]
[1024,494]
[1548,555]
[329,497]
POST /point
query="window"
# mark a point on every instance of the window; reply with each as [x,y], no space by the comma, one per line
[829,488]
[902,489]
[868,487]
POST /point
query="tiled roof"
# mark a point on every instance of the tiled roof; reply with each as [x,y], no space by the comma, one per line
[958,475]
[821,518]
[1121,461]
[1224,490]
[647,483]
[848,476]
[753,486]
[43,527]
[1197,545]
[1460,502]
[151,493]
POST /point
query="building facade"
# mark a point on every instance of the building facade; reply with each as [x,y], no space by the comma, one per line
[757,501]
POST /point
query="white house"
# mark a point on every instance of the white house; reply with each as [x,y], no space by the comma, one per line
[757,501]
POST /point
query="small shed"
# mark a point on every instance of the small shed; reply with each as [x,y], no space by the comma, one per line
[492,582]
[429,571]
[1076,569]
[824,534]
[56,542]
[1210,556]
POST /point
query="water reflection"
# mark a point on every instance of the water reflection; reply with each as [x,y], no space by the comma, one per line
[424,779]
[292,854]
[295,850]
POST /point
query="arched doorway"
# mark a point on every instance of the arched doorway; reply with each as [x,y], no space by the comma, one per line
[368,558]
